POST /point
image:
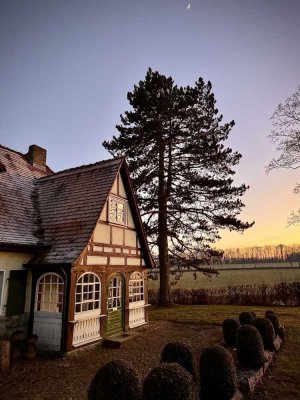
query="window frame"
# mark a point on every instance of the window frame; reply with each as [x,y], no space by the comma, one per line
[88,301]
[124,203]
[60,294]
[141,286]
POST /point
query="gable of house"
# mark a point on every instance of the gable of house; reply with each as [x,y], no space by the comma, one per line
[115,240]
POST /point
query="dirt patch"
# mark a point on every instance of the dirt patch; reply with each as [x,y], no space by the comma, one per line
[68,378]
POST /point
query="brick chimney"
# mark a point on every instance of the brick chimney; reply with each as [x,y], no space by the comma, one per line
[37,156]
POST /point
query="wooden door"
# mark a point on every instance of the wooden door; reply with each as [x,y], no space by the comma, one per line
[87,309]
[47,323]
[115,306]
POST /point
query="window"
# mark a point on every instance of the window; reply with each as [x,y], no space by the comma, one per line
[136,287]
[88,293]
[114,300]
[49,297]
[117,210]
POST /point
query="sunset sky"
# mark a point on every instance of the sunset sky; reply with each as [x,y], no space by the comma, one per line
[67,65]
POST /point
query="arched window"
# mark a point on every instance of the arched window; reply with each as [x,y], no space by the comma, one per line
[87,293]
[136,287]
[49,296]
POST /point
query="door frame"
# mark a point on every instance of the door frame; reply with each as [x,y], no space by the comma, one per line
[123,292]
[43,314]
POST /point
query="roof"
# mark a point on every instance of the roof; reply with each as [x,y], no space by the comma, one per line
[18,214]
[58,210]
[69,204]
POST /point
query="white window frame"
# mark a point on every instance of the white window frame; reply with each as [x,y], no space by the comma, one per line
[60,282]
[140,284]
[119,201]
[92,300]
[2,293]
[114,295]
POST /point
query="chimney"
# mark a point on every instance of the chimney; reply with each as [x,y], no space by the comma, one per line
[37,156]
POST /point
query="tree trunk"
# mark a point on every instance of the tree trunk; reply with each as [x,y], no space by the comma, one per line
[164,295]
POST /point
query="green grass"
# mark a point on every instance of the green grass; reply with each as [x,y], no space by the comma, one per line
[234,278]
[282,381]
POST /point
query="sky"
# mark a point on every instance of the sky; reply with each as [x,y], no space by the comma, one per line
[66,67]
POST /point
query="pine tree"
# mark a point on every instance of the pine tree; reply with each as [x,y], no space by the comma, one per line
[181,170]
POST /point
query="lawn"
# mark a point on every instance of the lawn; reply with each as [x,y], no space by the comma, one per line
[282,382]
[254,276]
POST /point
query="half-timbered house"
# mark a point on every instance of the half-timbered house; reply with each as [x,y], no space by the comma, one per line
[87,266]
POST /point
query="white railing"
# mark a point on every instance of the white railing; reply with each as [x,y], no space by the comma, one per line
[86,328]
[136,314]
[48,328]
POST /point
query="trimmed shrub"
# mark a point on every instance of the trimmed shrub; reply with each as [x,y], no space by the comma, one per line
[265,328]
[269,312]
[218,378]
[230,327]
[180,353]
[282,333]
[246,318]
[275,322]
[169,381]
[250,347]
[116,380]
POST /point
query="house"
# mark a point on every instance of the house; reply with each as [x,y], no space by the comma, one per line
[73,252]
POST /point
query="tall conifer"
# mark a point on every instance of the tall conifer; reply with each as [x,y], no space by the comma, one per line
[173,140]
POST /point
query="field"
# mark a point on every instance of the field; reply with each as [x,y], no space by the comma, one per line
[234,277]
[282,381]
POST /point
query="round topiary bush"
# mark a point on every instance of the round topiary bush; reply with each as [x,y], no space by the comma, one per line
[217,374]
[116,380]
[169,381]
[177,352]
[275,322]
[265,328]
[230,327]
[250,347]
[246,318]
[269,312]
[282,333]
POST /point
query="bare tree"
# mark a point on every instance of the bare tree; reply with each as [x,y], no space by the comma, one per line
[286,135]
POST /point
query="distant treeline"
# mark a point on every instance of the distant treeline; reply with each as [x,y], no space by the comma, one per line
[256,254]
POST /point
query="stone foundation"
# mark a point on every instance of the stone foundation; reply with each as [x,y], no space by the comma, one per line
[10,324]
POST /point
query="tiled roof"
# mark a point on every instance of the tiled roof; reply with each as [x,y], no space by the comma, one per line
[69,204]
[57,210]
[17,213]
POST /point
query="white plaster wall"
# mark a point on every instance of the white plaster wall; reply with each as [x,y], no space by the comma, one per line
[122,191]
[96,260]
[117,261]
[130,238]
[114,188]
[102,234]
[103,215]
[117,236]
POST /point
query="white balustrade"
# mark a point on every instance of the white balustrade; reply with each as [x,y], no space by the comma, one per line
[86,328]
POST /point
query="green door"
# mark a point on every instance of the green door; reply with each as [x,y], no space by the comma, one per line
[115,306]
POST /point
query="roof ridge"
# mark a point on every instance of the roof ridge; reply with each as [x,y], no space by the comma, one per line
[74,169]
[14,151]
